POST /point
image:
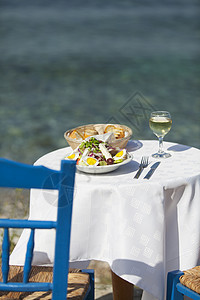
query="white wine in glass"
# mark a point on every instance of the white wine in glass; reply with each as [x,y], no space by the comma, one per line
[160,123]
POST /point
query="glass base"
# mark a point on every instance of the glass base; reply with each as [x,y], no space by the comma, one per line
[161,155]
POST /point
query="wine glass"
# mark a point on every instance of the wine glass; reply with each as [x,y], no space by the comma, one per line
[160,123]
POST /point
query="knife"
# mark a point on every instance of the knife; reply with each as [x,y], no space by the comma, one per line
[153,167]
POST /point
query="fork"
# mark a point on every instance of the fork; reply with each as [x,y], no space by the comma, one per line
[143,164]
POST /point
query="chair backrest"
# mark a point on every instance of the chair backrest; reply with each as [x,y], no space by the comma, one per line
[18,175]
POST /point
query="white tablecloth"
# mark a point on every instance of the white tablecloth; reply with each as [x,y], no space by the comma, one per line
[142,228]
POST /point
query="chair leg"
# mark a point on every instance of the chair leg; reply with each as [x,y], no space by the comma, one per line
[90,295]
[122,289]
[172,280]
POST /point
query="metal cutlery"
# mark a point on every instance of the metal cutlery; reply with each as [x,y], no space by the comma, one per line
[153,167]
[143,164]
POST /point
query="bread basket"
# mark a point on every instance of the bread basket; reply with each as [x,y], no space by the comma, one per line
[99,128]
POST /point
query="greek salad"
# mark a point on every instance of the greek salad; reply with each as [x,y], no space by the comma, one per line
[97,153]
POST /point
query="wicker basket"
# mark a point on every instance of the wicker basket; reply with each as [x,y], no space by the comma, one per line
[121,143]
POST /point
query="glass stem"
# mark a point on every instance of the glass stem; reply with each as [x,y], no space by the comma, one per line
[160,150]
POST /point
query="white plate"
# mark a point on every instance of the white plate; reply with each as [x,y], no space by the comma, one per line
[103,169]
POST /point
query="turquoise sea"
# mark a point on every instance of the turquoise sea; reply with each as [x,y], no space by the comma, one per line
[68,63]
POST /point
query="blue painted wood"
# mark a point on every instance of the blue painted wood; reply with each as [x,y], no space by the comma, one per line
[175,290]
[26,287]
[14,174]
[29,256]
[65,200]
[187,292]
[19,175]
[90,293]
[172,280]
[33,176]
[8,223]
[5,255]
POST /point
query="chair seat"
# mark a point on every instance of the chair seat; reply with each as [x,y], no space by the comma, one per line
[78,283]
[191,279]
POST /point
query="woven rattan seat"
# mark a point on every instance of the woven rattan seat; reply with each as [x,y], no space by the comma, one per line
[78,283]
[191,279]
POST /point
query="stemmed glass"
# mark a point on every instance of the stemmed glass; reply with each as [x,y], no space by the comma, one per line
[160,123]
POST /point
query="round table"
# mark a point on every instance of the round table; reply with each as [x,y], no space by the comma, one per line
[142,228]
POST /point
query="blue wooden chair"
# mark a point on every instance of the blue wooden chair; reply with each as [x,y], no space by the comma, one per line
[183,283]
[60,285]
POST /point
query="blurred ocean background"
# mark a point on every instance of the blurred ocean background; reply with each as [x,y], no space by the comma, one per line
[68,63]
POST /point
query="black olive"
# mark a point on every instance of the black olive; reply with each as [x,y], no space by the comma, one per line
[110,161]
